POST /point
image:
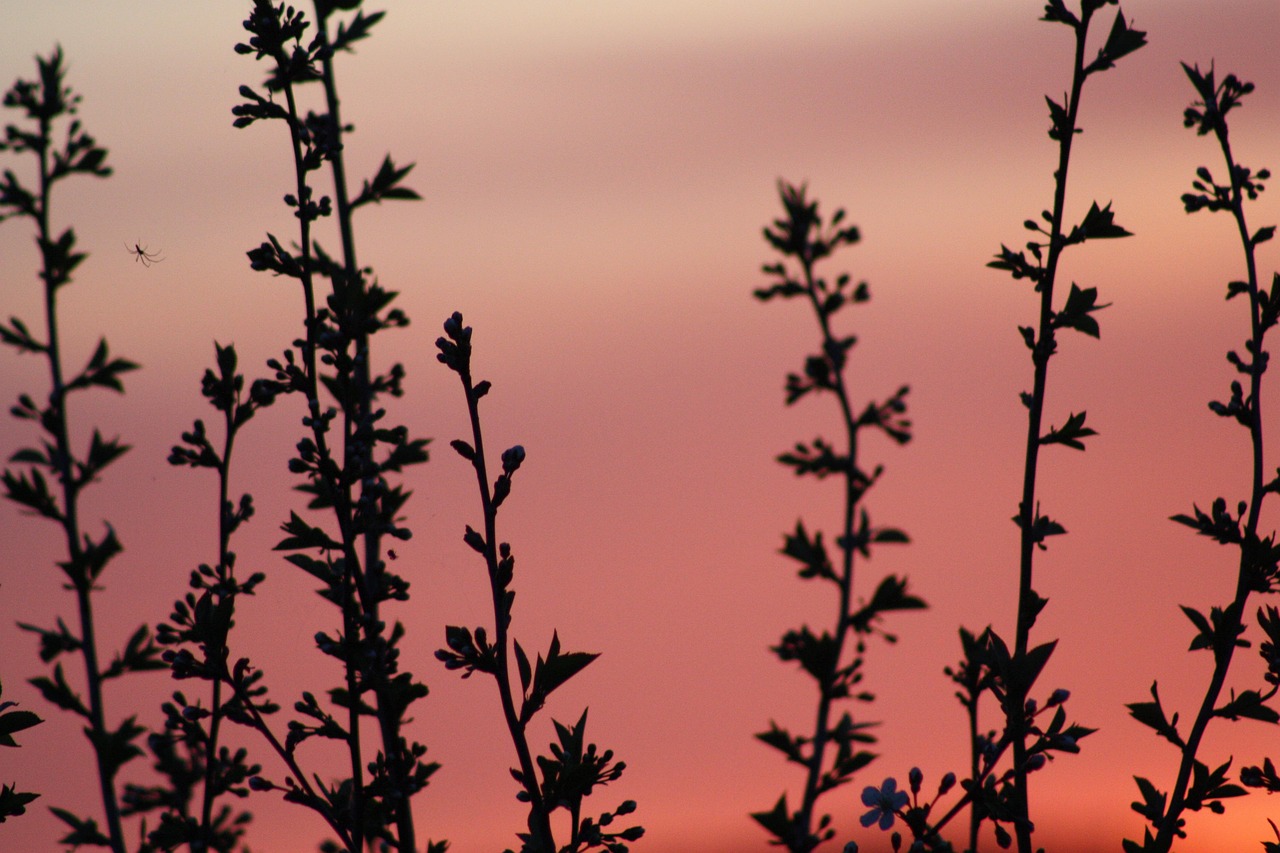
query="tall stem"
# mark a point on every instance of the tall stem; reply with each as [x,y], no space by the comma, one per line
[540,819]
[1233,615]
[852,493]
[1029,601]
[82,580]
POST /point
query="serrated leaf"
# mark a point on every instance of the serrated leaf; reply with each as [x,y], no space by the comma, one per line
[57,691]
[1121,41]
[1098,224]
[1075,314]
[303,536]
[1152,715]
[1070,434]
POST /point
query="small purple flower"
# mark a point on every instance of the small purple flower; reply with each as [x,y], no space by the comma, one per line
[883,802]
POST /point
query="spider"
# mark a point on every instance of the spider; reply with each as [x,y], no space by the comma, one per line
[141,255]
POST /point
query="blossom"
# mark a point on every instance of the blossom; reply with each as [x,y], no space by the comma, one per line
[884,802]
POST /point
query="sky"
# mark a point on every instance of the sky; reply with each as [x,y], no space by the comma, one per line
[595,178]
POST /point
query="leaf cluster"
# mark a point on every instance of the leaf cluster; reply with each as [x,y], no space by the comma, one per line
[990,667]
[13,802]
[44,101]
[569,774]
[189,755]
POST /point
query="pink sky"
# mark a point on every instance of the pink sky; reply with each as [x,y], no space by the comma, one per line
[596,177]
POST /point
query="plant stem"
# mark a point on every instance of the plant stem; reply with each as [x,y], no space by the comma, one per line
[1029,602]
[540,819]
[1224,650]
[853,488]
[81,577]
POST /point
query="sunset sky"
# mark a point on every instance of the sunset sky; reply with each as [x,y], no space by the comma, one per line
[595,176]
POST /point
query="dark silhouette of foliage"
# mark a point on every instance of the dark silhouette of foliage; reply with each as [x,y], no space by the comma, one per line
[836,749]
[348,454]
[1196,786]
[12,801]
[189,754]
[992,665]
[574,768]
[48,479]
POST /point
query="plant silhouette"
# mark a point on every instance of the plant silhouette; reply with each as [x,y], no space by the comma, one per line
[1197,785]
[50,106]
[991,664]
[225,735]
[575,767]
[347,456]
[835,751]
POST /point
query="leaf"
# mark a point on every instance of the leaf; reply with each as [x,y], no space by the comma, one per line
[1075,314]
[819,459]
[84,831]
[32,493]
[356,30]
[1098,224]
[1041,527]
[385,184]
[810,552]
[101,454]
[1121,41]
[1209,786]
[57,691]
[1152,807]
[303,536]
[117,748]
[1056,11]
[777,822]
[817,655]
[551,673]
[17,336]
[1248,704]
[1016,263]
[1059,120]
[1152,715]
[783,741]
[140,654]
[1220,525]
[1029,667]
[890,595]
[16,721]
[522,663]
[102,373]
[1071,433]
[53,643]
[93,557]
[1204,637]
[13,803]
